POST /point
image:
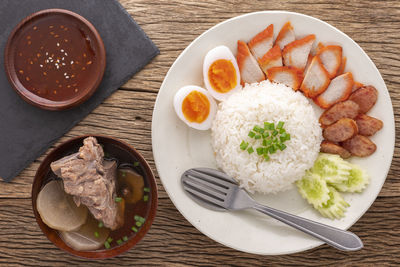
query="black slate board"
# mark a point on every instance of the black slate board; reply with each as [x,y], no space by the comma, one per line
[26,131]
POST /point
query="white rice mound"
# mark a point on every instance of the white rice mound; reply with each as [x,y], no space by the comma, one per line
[254,105]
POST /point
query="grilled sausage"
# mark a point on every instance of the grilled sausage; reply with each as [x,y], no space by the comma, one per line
[341,130]
[359,146]
[346,109]
[365,97]
[332,148]
[367,125]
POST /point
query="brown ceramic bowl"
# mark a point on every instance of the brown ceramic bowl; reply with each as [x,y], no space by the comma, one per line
[125,154]
[55,59]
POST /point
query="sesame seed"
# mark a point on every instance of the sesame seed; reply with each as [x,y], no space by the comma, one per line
[72,62]
[63,64]
[21,71]
[58,44]
[58,67]
[65,74]
[47,53]
[66,54]
[62,50]
[66,77]
[41,65]
[62,58]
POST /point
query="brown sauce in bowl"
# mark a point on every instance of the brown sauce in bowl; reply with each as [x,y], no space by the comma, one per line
[54,56]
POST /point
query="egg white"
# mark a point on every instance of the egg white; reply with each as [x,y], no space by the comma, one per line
[220,52]
[178,100]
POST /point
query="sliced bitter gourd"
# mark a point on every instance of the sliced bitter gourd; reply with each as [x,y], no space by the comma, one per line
[356,181]
[313,189]
[332,168]
[335,207]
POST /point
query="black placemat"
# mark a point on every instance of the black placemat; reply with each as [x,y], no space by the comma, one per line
[26,131]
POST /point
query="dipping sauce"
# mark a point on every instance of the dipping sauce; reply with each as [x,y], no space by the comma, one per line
[56,56]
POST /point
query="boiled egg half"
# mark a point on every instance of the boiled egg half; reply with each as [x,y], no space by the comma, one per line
[221,73]
[195,106]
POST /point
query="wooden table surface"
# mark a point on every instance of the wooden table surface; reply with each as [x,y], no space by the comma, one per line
[172,25]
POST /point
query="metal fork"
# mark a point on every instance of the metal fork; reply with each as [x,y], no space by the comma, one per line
[216,190]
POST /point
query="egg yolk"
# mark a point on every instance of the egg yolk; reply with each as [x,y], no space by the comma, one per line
[222,75]
[196,107]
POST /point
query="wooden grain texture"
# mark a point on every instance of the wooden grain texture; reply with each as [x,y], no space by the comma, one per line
[172,241]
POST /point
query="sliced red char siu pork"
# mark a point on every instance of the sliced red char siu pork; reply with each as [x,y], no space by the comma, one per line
[367,125]
[346,109]
[338,90]
[316,79]
[289,76]
[262,42]
[250,71]
[273,58]
[91,181]
[341,130]
[332,148]
[285,36]
[295,54]
[359,146]
[331,58]
[365,97]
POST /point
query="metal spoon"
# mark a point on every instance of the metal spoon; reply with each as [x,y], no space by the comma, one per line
[216,190]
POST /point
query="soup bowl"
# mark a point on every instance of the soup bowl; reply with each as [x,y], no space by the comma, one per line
[125,155]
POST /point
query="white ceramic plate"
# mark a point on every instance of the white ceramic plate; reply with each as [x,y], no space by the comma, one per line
[177,148]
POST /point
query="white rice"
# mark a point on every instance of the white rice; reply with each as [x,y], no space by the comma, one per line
[254,105]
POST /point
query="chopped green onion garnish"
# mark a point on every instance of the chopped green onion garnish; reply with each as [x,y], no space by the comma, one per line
[257,128]
[109,240]
[107,245]
[118,199]
[138,224]
[243,145]
[119,241]
[146,189]
[271,149]
[96,234]
[125,238]
[145,198]
[139,218]
[136,163]
[134,229]
[273,138]
[100,225]
[123,174]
